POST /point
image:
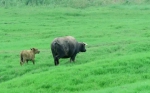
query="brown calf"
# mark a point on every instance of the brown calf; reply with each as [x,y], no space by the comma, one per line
[28,55]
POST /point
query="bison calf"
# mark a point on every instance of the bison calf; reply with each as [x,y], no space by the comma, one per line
[66,47]
[28,55]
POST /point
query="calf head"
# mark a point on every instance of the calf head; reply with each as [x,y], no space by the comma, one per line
[82,47]
[35,51]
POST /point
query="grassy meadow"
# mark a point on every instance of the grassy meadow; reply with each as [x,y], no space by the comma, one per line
[117,58]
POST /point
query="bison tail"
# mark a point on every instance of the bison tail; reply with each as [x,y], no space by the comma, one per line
[55,47]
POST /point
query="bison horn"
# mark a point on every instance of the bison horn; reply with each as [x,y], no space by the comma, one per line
[85,43]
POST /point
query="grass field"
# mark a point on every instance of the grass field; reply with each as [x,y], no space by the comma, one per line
[117,58]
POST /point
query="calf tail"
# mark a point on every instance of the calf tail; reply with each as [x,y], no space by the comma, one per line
[21,59]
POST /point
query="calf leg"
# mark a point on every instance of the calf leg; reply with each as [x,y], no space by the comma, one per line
[27,61]
[33,61]
[22,62]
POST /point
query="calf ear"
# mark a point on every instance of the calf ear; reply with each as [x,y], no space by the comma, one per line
[31,48]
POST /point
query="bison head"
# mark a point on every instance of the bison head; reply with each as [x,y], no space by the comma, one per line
[36,51]
[82,47]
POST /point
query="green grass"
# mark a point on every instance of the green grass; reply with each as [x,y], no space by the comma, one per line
[117,58]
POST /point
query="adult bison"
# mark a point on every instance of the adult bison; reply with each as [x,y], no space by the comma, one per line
[66,47]
[28,55]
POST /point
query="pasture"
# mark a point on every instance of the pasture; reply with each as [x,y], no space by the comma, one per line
[117,58]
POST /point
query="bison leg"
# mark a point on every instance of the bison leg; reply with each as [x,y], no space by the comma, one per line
[56,60]
[72,58]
